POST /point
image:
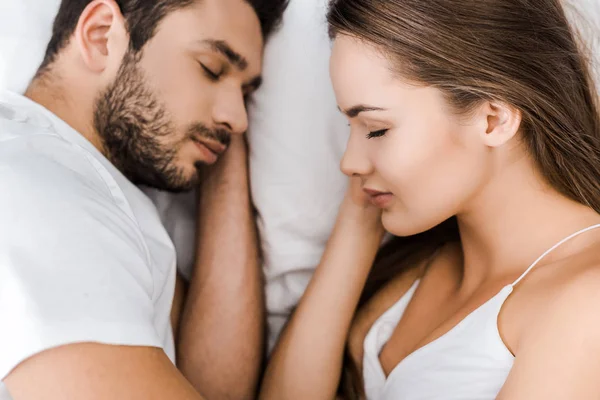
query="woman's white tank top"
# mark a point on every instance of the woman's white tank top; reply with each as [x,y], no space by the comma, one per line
[470,362]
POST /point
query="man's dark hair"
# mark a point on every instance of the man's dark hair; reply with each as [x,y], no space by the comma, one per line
[142,18]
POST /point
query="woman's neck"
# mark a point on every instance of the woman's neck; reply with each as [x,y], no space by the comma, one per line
[514,219]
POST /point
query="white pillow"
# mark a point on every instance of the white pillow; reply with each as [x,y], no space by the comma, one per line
[585,15]
[25,30]
[297,138]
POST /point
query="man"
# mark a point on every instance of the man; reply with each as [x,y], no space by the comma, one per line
[131,92]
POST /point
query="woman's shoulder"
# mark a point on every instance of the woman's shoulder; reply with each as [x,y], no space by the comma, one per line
[576,280]
[559,347]
[564,292]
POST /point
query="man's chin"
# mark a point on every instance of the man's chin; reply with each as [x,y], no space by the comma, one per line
[173,183]
[186,184]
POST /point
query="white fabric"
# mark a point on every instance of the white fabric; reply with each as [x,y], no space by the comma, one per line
[4,395]
[585,15]
[83,254]
[25,30]
[297,139]
[469,362]
[178,213]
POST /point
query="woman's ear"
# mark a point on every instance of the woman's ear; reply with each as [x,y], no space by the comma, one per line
[502,122]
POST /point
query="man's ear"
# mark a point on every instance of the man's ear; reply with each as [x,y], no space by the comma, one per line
[100,35]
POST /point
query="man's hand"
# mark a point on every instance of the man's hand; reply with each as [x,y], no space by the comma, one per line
[231,168]
[221,342]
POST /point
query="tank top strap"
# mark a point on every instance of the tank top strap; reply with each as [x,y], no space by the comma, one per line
[551,249]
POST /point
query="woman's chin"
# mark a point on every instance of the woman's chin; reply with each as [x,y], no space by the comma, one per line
[401,224]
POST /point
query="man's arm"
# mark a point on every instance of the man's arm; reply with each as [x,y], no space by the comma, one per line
[81,310]
[221,340]
[99,372]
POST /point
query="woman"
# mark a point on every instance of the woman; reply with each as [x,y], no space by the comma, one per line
[475,125]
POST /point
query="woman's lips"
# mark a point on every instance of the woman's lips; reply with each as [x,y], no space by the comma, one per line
[378,198]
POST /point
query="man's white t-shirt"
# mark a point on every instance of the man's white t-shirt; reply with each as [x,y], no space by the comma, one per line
[83,254]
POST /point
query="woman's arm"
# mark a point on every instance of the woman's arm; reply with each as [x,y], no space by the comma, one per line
[307,362]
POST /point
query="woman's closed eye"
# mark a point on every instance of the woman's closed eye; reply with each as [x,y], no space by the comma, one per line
[376,134]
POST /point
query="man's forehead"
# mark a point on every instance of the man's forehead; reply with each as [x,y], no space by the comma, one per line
[230,22]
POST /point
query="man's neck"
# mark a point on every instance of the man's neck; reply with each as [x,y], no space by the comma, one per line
[77,113]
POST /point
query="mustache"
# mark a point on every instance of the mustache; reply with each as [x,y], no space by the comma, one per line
[222,136]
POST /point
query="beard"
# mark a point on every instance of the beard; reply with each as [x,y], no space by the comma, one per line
[139,136]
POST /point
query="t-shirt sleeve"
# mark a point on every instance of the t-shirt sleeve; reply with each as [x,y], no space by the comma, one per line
[73,266]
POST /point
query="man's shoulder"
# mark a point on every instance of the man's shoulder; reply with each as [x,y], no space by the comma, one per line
[34,159]
[51,189]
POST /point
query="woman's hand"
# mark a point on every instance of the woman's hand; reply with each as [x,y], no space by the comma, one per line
[313,343]
[358,207]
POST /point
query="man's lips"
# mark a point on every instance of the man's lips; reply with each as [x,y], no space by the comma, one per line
[209,149]
[215,147]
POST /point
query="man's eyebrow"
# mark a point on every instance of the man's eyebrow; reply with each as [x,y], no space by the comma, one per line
[222,47]
[353,112]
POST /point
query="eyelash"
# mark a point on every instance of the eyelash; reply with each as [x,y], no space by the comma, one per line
[211,75]
[376,134]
